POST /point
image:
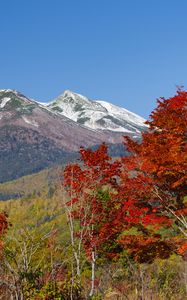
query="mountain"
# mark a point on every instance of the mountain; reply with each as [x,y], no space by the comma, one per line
[35,136]
[18,110]
[98,115]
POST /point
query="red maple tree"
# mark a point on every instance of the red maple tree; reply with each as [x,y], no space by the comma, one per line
[159,163]
[142,192]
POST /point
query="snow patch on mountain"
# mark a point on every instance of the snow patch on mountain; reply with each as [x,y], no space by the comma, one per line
[31,122]
[4,101]
[122,113]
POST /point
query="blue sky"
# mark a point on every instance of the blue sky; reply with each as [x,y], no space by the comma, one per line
[128,52]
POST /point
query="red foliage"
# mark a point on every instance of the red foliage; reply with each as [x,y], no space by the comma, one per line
[110,197]
[93,207]
[162,153]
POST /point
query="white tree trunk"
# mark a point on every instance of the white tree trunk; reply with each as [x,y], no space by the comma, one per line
[93,274]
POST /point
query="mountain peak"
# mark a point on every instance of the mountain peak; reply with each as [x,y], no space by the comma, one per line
[68,93]
[97,115]
[75,96]
[13,93]
[13,102]
[4,91]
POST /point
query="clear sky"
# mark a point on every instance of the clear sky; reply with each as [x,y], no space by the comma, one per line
[128,52]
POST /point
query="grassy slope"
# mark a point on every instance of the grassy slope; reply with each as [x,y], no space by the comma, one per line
[35,184]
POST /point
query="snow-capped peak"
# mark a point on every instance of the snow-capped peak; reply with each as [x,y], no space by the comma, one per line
[6,91]
[97,114]
[75,96]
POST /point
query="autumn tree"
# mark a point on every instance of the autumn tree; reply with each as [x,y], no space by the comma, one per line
[159,162]
[126,204]
[87,187]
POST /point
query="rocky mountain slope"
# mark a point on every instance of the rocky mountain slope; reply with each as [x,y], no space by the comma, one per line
[35,136]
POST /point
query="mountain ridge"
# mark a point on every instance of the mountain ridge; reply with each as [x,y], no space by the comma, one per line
[34,136]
